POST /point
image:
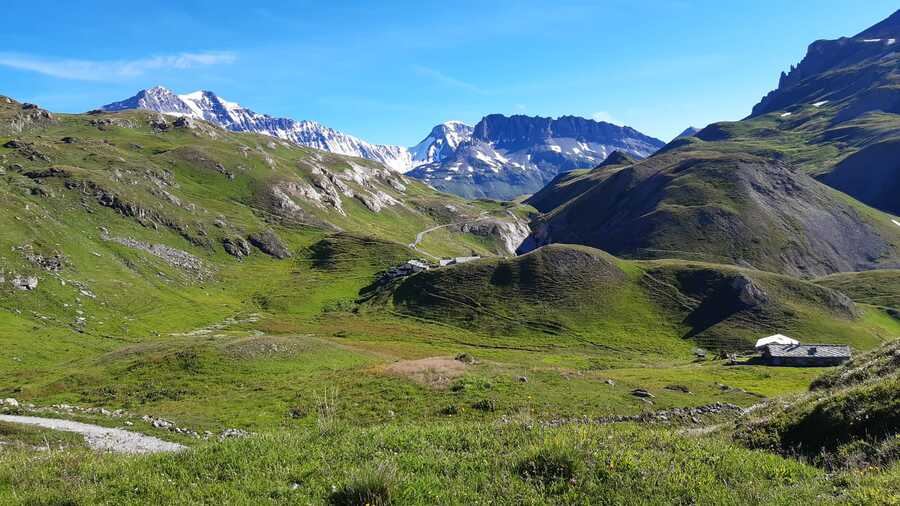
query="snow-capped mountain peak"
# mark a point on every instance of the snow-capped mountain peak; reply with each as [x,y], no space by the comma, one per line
[441,143]
[507,156]
[207,106]
[156,98]
[500,157]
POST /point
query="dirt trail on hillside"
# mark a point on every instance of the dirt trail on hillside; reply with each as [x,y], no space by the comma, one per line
[421,235]
[101,438]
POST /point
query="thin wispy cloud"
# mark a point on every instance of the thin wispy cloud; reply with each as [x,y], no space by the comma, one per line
[113,70]
[605,116]
[446,80]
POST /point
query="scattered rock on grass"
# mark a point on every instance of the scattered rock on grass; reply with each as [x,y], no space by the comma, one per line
[236,246]
[24,282]
[269,243]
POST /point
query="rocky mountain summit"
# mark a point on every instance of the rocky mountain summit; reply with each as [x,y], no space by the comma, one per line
[844,97]
[501,157]
[442,142]
[508,156]
[854,69]
[207,106]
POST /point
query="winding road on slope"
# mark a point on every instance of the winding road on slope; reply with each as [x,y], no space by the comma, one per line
[101,438]
[421,235]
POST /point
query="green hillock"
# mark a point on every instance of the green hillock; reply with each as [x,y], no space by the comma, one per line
[580,293]
[850,418]
[878,288]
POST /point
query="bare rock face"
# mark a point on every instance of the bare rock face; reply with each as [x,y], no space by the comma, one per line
[510,233]
[172,256]
[748,292]
[236,246]
[25,283]
[841,303]
[269,243]
[25,117]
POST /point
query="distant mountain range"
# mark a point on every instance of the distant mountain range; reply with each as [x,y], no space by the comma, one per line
[508,156]
[501,157]
[208,106]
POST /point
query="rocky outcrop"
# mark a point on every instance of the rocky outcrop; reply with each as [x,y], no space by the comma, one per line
[172,256]
[328,187]
[25,283]
[852,69]
[269,243]
[17,118]
[147,217]
[27,150]
[748,292]
[236,246]
[53,262]
[510,233]
[106,123]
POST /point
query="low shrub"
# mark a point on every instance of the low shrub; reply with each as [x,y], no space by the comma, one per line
[450,410]
[486,405]
[550,464]
[369,486]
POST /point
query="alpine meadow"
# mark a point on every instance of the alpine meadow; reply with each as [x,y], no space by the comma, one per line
[205,304]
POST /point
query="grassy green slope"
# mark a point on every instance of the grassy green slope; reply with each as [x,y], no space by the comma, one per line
[738,192]
[569,185]
[580,294]
[849,419]
[75,187]
[878,288]
[725,207]
[454,463]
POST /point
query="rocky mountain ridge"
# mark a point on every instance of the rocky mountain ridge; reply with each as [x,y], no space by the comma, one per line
[509,156]
[207,106]
[501,157]
[829,73]
[751,192]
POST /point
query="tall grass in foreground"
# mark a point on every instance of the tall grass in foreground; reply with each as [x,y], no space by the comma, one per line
[446,463]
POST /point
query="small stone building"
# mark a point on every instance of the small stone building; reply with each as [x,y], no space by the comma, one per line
[806,355]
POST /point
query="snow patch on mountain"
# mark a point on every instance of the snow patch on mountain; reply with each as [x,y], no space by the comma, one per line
[510,156]
[207,106]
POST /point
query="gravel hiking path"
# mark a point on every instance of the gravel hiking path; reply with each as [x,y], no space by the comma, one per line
[421,235]
[101,438]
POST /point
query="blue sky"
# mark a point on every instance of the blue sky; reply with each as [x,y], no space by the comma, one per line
[388,71]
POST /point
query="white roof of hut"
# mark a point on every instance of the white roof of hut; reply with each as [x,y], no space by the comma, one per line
[776,339]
